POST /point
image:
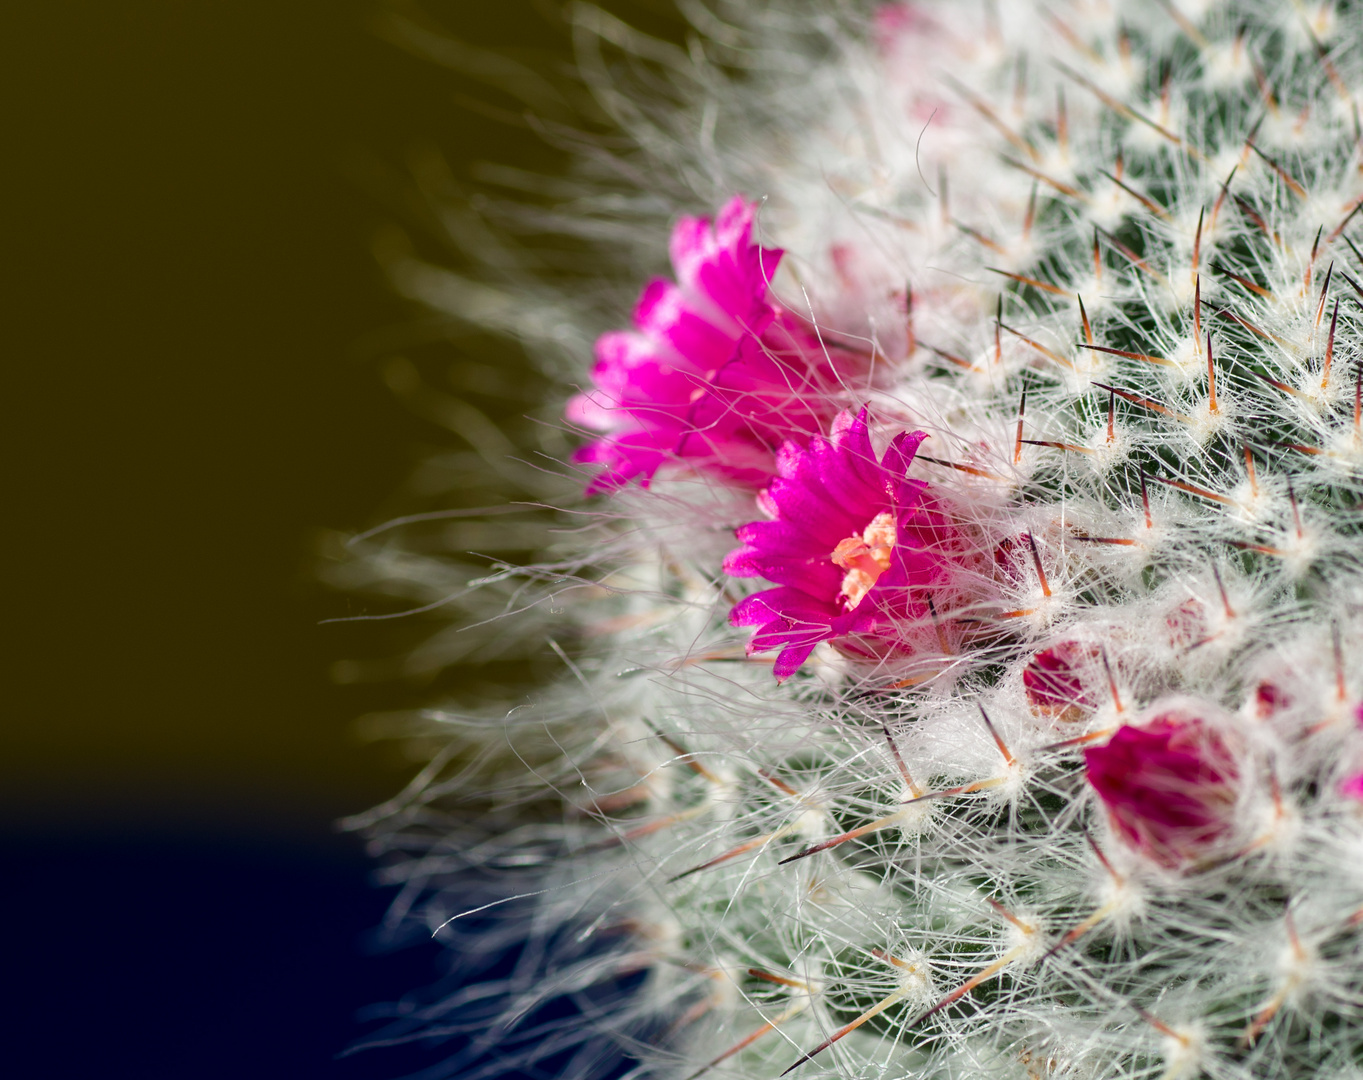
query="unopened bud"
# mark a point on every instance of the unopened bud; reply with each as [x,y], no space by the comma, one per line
[1170,783]
[1056,681]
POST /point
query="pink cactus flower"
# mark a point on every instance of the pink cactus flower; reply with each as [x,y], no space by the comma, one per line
[1352,788]
[715,373]
[1169,784]
[856,549]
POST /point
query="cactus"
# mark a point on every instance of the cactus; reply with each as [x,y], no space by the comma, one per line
[1042,437]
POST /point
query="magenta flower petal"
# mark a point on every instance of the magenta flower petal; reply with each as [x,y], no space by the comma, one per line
[623,459]
[1169,784]
[715,374]
[791,656]
[720,266]
[667,317]
[855,547]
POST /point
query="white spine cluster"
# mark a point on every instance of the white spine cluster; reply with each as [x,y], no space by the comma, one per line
[1102,252]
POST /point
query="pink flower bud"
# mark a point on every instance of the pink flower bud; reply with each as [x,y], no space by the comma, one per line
[1056,681]
[1270,699]
[1186,624]
[1169,783]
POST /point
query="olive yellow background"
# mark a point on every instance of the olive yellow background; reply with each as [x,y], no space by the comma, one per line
[193,331]
[193,327]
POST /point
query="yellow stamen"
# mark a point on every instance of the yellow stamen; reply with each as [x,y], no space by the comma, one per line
[865,557]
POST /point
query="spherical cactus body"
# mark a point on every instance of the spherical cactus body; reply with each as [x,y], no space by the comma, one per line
[969,626]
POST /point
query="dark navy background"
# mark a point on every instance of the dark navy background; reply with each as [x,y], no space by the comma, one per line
[191,331]
[196,956]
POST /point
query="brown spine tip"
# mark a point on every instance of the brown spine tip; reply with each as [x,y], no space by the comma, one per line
[1329,349]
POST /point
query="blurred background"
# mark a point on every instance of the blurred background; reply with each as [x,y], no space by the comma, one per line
[194,326]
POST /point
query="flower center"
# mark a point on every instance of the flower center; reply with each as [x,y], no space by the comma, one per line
[865,558]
